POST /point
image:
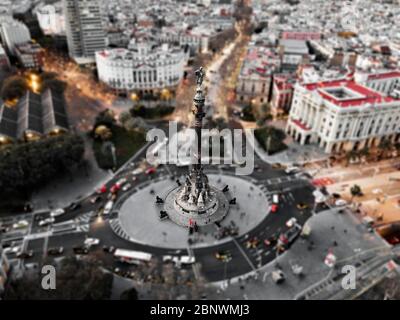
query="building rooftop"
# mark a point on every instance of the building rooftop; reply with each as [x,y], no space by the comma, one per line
[347,93]
[33,113]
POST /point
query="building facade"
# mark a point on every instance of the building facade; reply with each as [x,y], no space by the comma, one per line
[343,115]
[13,33]
[282,93]
[51,19]
[4,61]
[143,66]
[29,55]
[253,88]
[84,29]
[255,77]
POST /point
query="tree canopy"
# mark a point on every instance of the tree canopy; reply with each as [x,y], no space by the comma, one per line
[76,279]
[13,87]
[271,139]
[26,166]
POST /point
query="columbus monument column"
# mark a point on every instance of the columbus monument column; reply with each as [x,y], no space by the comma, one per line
[195,202]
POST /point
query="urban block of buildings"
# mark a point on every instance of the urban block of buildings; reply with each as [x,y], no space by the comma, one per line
[16,38]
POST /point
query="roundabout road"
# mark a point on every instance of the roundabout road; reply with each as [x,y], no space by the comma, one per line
[293,190]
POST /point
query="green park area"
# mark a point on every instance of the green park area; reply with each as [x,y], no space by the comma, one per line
[114,144]
[270,139]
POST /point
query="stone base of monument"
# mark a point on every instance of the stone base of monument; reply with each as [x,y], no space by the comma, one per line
[215,210]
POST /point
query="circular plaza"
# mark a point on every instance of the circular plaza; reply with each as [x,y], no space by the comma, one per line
[241,209]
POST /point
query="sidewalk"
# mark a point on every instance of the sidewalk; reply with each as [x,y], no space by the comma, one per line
[352,240]
[295,153]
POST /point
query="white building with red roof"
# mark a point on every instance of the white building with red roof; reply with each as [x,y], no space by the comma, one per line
[342,114]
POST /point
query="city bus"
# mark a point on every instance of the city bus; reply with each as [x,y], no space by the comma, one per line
[131,256]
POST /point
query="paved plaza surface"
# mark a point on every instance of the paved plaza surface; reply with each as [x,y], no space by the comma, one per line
[139,214]
[295,153]
[355,245]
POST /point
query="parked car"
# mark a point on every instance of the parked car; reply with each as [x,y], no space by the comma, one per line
[150,170]
[126,187]
[121,181]
[102,190]
[46,222]
[81,250]
[22,224]
[277,165]
[57,212]
[291,170]
[340,202]
[137,171]
[109,249]
[25,254]
[55,251]
[115,188]
[90,242]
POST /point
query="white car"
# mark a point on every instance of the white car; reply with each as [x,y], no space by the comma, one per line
[126,187]
[57,212]
[340,202]
[46,222]
[137,171]
[291,222]
[21,224]
[12,249]
[290,170]
[108,207]
[179,261]
[90,242]
[121,181]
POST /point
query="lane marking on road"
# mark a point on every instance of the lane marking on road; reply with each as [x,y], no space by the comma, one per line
[195,265]
[244,254]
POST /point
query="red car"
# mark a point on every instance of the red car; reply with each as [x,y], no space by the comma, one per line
[115,188]
[274,208]
[150,170]
[103,189]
